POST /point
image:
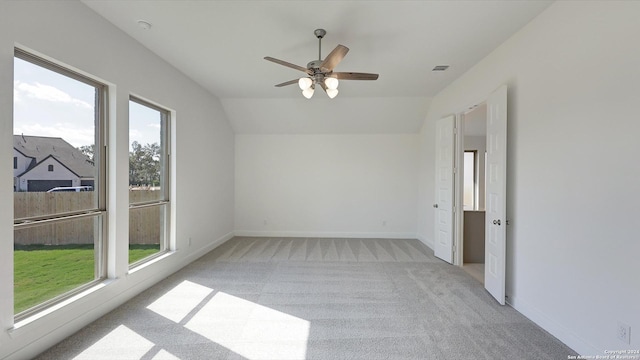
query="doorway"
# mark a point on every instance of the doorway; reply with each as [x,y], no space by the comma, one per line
[473,166]
[448,219]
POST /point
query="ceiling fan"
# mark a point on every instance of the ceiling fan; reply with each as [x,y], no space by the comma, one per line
[320,72]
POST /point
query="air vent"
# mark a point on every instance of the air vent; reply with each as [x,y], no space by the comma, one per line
[440,68]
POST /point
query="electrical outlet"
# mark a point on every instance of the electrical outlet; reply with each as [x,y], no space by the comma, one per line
[624,333]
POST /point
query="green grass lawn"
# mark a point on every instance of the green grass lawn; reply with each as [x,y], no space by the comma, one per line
[138,252]
[44,272]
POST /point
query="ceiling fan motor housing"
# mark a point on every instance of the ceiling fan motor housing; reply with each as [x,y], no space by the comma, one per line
[317,75]
[314,65]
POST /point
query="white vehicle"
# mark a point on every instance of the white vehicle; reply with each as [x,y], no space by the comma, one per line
[71,189]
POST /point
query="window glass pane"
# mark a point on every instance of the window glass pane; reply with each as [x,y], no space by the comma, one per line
[54,135]
[147,231]
[148,163]
[52,259]
[469,180]
[146,152]
[56,126]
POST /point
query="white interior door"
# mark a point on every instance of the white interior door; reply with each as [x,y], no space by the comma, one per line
[443,237]
[496,188]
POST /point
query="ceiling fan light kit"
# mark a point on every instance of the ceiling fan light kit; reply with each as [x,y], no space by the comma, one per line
[320,72]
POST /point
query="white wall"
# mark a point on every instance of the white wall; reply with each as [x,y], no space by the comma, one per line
[348,113]
[70,33]
[326,185]
[572,245]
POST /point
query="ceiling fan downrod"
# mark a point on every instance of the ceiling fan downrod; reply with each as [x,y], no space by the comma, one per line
[320,33]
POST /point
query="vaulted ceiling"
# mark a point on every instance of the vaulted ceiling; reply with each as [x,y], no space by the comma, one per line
[221,45]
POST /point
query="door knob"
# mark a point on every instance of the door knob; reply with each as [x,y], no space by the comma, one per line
[435,206]
[496,222]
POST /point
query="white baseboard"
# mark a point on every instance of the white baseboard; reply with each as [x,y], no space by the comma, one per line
[207,248]
[320,234]
[556,329]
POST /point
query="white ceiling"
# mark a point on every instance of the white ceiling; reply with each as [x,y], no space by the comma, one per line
[221,45]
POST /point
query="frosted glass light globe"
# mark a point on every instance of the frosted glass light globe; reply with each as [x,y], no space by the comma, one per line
[308,92]
[305,83]
[331,82]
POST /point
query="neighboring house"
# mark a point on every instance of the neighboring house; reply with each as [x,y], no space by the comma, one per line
[42,163]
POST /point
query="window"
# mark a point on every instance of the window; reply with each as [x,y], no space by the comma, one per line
[148,180]
[15,162]
[469,183]
[58,236]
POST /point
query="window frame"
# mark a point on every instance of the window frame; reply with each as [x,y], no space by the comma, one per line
[165,175]
[474,196]
[99,211]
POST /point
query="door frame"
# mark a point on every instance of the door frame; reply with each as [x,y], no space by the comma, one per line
[458,196]
[458,189]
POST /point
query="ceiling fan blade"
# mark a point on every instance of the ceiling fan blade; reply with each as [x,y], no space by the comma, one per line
[290,82]
[287,64]
[334,57]
[355,76]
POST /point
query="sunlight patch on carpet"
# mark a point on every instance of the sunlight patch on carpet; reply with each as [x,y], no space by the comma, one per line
[251,330]
[178,302]
[120,343]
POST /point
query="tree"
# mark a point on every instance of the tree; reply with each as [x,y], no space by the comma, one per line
[88,151]
[144,164]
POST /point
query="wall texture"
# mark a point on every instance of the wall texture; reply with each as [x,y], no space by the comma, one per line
[70,33]
[326,185]
[572,244]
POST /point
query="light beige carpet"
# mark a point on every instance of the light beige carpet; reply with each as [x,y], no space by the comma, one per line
[274,298]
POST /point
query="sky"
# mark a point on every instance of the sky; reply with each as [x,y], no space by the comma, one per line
[50,104]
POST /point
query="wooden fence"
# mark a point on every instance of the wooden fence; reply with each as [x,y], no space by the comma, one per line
[144,224]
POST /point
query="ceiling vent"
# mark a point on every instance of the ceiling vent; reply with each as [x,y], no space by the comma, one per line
[440,68]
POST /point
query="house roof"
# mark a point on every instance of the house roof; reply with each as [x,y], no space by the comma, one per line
[40,147]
